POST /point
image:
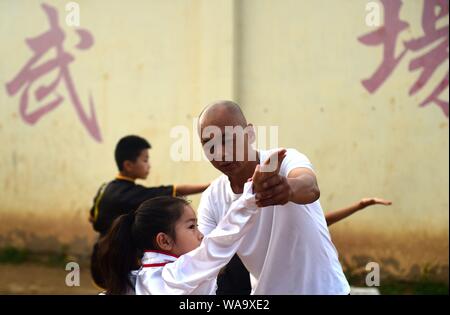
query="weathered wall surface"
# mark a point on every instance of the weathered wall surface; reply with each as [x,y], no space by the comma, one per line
[308,67]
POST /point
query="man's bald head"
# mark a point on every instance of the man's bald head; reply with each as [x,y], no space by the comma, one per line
[222,113]
[227,138]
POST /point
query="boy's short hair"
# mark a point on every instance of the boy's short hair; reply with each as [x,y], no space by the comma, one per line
[129,148]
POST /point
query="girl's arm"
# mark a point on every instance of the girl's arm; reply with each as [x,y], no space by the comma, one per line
[338,215]
[203,264]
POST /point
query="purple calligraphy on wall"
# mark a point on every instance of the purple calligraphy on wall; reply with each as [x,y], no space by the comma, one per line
[431,49]
[47,95]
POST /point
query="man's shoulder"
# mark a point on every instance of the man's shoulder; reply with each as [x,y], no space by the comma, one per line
[217,184]
[293,159]
[215,192]
[290,153]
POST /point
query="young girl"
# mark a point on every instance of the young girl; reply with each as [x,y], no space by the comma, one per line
[158,249]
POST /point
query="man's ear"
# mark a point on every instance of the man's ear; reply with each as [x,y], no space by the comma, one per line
[251,133]
[164,241]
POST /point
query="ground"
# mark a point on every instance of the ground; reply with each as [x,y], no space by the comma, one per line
[25,272]
[30,278]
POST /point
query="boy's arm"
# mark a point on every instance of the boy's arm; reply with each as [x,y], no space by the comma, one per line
[140,193]
[338,215]
[189,189]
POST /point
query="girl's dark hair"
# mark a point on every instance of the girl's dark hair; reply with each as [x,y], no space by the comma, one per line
[121,249]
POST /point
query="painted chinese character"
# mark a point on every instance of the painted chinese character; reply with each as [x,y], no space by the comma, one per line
[35,69]
[387,36]
[429,62]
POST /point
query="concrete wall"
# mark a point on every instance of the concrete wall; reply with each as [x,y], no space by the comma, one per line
[295,64]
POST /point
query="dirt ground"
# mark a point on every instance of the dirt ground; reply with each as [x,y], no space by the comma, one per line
[31,278]
[36,279]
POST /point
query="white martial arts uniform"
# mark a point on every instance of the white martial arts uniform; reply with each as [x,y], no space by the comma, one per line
[196,271]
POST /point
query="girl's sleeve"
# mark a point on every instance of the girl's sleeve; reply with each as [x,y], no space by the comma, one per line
[203,264]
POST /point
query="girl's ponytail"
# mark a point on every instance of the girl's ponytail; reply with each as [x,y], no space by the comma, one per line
[118,255]
[131,234]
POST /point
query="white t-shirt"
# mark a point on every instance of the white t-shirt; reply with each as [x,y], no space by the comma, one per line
[288,250]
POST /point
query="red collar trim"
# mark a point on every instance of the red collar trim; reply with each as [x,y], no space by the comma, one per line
[156,265]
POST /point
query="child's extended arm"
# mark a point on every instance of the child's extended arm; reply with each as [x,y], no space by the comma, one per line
[337,215]
[184,190]
[203,264]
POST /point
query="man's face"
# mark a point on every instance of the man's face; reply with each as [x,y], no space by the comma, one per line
[141,167]
[228,147]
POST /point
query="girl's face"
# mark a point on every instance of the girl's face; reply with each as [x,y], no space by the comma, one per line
[188,237]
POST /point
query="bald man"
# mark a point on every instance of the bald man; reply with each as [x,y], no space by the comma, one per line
[289,249]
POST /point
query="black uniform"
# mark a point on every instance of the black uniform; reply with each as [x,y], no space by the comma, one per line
[235,279]
[113,199]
